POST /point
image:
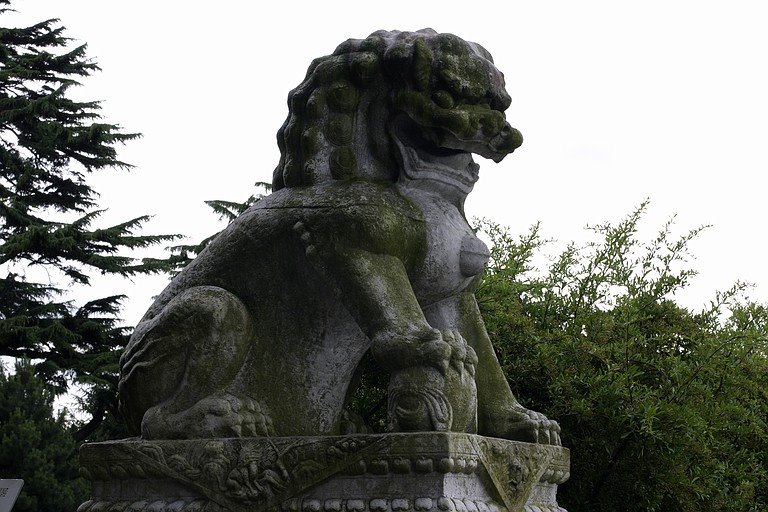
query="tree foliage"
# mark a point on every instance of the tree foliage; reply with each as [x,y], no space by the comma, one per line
[49,144]
[663,408]
[36,445]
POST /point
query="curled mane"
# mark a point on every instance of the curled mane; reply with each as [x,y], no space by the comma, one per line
[317,140]
[337,125]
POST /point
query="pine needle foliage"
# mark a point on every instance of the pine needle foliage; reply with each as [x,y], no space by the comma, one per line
[49,145]
[36,444]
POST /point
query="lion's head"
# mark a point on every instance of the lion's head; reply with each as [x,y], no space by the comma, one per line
[416,103]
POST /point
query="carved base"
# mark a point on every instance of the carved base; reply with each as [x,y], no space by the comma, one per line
[415,472]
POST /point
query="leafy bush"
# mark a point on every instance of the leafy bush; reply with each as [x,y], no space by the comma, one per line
[663,408]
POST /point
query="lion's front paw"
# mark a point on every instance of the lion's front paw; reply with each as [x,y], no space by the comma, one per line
[433,347]
[463,357]
[521,424]
[426,348]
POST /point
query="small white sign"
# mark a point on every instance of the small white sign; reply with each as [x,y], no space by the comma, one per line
[9,491]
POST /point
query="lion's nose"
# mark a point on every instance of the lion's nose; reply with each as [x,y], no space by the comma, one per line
[505,142]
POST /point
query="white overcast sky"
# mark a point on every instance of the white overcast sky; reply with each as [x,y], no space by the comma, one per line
[617,102]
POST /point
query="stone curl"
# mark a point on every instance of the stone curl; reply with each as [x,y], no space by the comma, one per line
[340,116]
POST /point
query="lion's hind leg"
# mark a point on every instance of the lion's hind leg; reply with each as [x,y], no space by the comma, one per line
[178,365]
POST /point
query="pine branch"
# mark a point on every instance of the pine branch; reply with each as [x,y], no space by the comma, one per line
[50,144]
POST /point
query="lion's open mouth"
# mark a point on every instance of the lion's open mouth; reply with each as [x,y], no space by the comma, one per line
[423,158]
[438,154]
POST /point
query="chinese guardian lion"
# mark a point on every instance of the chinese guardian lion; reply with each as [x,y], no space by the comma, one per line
[362,246]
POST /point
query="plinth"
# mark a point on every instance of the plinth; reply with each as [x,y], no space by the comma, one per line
[413,472]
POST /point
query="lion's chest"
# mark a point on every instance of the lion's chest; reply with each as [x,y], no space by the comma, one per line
[454,255]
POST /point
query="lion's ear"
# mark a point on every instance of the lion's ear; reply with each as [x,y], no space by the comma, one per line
[422,65]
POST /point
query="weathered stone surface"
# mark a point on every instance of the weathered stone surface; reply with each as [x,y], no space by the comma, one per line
[363,246]
[238,376]
[423,472]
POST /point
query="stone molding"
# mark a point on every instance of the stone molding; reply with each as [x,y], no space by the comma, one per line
[419,472]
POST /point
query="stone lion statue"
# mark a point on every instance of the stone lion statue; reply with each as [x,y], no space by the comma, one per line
[362,246]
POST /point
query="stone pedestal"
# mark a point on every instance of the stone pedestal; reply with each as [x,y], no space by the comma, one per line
[414,472]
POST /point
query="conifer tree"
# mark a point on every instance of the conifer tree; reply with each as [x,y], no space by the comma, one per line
[49,145]
[36,445]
